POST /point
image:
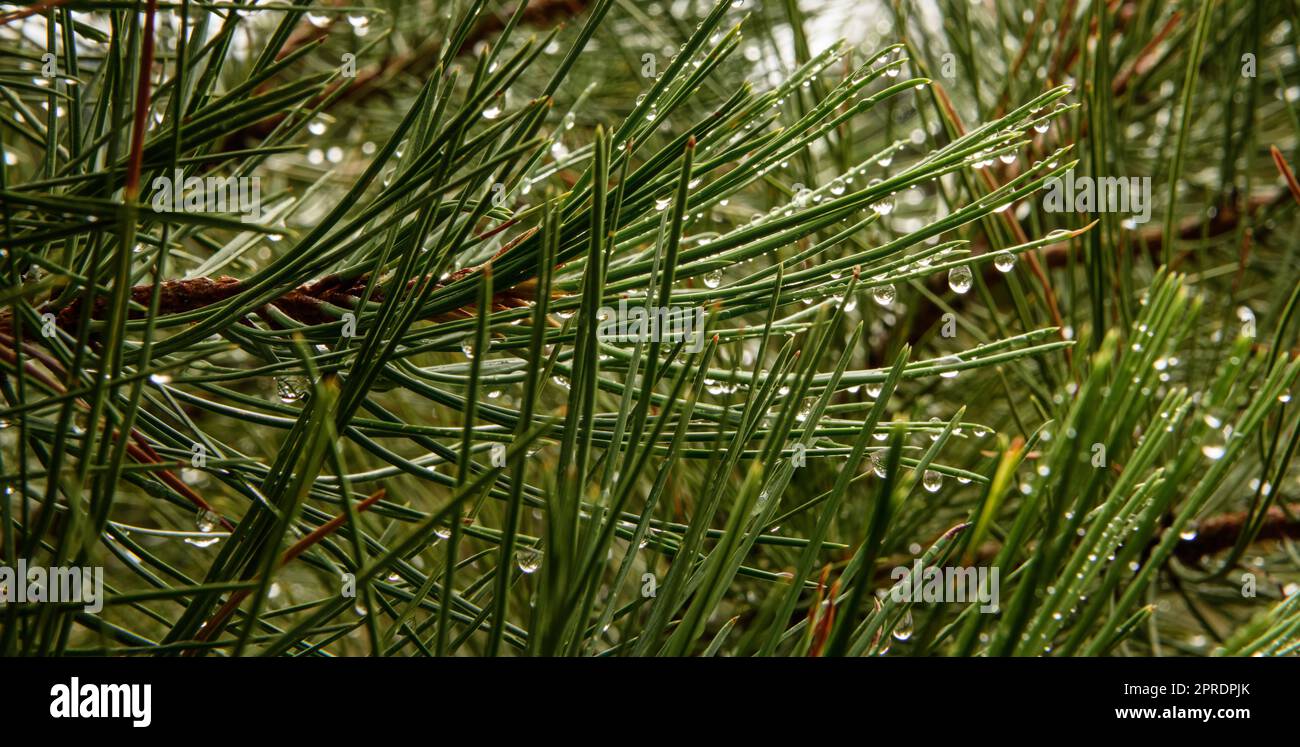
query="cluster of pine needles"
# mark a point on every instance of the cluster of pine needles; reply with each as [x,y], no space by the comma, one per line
[383,417]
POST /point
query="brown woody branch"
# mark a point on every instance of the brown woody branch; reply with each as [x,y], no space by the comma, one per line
[305,304]
[218,621]
[1219,533]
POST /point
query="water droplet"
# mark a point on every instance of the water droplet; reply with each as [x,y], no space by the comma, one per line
[1004,261]
[290,388]
[932,481]
[903,630]
[837,187]
[1213,451]
[960,279]
[662,203]
[938,424]
[1188,532]
[528,558]
[805,409]
[878,463]
[206,520]
[713,278]
[1247,319]
[492,112]
[884,294]
[950,360]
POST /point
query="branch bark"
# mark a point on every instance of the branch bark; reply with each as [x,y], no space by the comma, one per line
[305,304]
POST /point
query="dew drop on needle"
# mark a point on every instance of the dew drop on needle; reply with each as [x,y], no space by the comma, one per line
[960,279]
[883,294]
[932,481]
[529,559]
[903,630]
